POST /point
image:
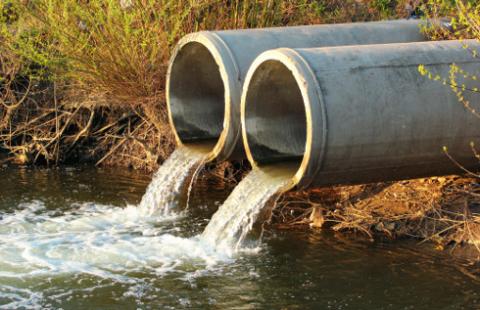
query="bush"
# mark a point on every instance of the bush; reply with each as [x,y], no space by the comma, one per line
[102,61]
[464,16]
[120,47]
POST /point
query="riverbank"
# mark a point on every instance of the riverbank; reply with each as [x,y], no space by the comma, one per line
[443,211]
[105,106]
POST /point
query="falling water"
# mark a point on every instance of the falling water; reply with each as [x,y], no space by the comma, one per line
[166,188]
[231,224]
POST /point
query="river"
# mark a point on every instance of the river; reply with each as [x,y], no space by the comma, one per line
[75,238]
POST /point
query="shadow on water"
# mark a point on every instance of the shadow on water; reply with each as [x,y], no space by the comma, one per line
[293,270]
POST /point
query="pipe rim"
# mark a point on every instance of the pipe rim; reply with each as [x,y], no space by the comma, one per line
[315,112]
[230,75]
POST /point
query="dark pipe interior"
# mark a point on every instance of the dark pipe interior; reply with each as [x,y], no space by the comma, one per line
[275,116]
[196,94]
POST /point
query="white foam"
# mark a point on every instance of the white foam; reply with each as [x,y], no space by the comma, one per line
[119,243]
[106,242]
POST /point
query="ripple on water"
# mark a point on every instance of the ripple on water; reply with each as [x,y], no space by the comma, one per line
[93,254]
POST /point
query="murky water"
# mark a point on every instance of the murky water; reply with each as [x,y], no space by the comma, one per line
[76,238]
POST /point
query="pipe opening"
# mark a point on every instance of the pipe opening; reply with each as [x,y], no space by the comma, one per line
[196,94]
[275,116]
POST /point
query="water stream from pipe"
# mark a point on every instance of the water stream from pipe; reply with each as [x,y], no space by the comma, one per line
[169,181]
[230,225]
[76,238]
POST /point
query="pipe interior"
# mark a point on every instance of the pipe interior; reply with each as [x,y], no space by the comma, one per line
[275,116]
[196,94]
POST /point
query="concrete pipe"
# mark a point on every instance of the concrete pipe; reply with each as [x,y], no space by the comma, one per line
[359,114]
[207,70]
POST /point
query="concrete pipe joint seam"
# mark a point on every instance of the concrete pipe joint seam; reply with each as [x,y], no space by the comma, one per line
[359,114]
[207,71]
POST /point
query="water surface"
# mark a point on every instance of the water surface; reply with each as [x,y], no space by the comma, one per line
[77,238]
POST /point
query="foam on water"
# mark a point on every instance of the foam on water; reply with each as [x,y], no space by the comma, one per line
[116,244]
[104,242]
[77,255]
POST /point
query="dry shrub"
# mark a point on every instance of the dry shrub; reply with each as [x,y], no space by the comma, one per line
[42,122]
[9,97]
[223,175]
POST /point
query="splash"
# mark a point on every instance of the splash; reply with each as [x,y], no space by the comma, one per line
[165,190]
[103,242]
[112,242]
[105,245]
[92,243]
[231,224]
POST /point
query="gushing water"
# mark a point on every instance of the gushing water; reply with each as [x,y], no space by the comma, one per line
[101,241]
[61,249]
[230,225]
[91,243]
[94,242]
[168,182]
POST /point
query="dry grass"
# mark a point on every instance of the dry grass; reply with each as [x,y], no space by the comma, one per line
[445,210]
[44,123]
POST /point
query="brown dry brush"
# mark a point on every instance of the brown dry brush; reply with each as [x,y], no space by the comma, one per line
[46,123]
[445,210]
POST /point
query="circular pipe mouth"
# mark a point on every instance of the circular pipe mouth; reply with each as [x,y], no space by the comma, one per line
[199,90]
[282,114]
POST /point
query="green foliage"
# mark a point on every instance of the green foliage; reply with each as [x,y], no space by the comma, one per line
[468,19]
[465,21]
[385,7]
[119,48]
[463,15]
[96,44]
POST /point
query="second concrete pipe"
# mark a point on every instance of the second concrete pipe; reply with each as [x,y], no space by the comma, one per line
[360,114]
[207,71]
